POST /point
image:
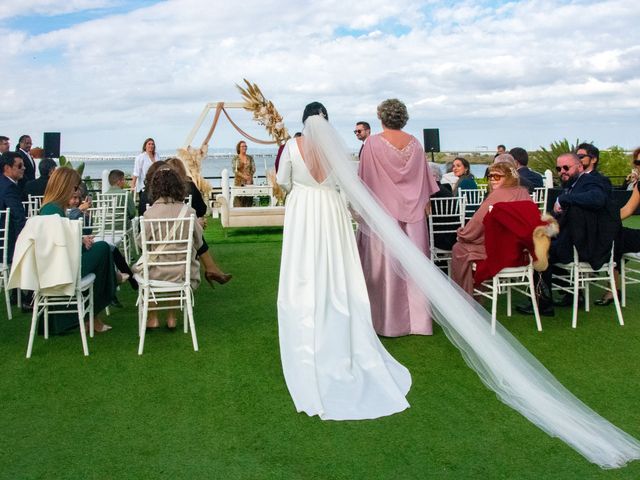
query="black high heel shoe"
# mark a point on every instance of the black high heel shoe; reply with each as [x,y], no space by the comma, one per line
[221,278]
[605,301]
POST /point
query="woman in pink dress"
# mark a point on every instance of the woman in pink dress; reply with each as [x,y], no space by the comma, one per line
[393,166]
[504,186]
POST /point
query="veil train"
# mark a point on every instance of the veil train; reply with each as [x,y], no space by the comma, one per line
[502,363]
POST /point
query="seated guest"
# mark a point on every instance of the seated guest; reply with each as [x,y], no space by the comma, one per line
[116,185]
[167,191]
[462,170]
[39,185]
[589,156]
[79,206]
[10,196]
[534,179]
[96,256]
[212,271]
[449,178]
[503,187]
[584,211]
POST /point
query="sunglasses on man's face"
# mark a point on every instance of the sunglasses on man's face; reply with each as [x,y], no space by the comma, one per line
[583,155]
[358,131]
[565,168]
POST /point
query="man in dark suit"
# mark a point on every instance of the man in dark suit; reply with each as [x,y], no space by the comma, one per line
[10,196]
[4,144]
[589,155]
[362,131]
[581,193]
[39,185]
[533,179]
[23,148]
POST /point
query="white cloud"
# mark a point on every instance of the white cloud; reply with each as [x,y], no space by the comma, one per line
[524,73]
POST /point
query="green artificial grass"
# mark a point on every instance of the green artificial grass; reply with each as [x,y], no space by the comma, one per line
[224,412]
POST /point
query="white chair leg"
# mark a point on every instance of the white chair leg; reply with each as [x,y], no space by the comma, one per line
[34,324]
[185,320]
[494,305]
[191,322]
[83,333]
[534,301]
[91,315]
[19,295]
[508,301]
[616,301]
[587,299]
[576,289]
[143,326]
[139,303]
[6,296]
[46,323]
[623,281]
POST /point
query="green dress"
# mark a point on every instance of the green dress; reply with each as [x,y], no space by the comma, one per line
[99,260]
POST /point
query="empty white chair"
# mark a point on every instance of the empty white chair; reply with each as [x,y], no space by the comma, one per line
[447,215]
[578,277]
[166,242]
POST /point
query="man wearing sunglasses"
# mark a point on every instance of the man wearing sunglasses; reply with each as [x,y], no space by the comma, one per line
[589,156]
[362,131]
[10,196]
[584,202]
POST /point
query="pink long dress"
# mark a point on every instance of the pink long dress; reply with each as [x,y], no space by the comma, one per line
[470,245]
[403,184]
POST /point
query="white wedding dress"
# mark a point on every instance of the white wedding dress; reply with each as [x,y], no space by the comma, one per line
[333,362]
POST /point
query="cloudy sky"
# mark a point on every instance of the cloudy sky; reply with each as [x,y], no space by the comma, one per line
[109,73]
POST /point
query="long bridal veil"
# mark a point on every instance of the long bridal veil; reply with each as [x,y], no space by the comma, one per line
[502,363]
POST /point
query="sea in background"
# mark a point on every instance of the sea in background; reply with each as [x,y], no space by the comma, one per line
[212,165]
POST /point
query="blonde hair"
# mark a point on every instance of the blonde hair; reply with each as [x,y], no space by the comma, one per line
[511,177]
[62,183]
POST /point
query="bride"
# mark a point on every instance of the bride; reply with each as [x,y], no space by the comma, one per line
[333,362]
[333,365]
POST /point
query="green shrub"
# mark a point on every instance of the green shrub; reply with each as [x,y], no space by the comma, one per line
[614,162]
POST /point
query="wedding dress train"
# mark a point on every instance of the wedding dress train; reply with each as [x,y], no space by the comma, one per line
[502,363]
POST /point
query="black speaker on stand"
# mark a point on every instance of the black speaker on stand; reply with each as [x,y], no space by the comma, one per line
[431,140]
[51,144]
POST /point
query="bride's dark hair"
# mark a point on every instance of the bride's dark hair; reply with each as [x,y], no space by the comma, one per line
[314,108]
